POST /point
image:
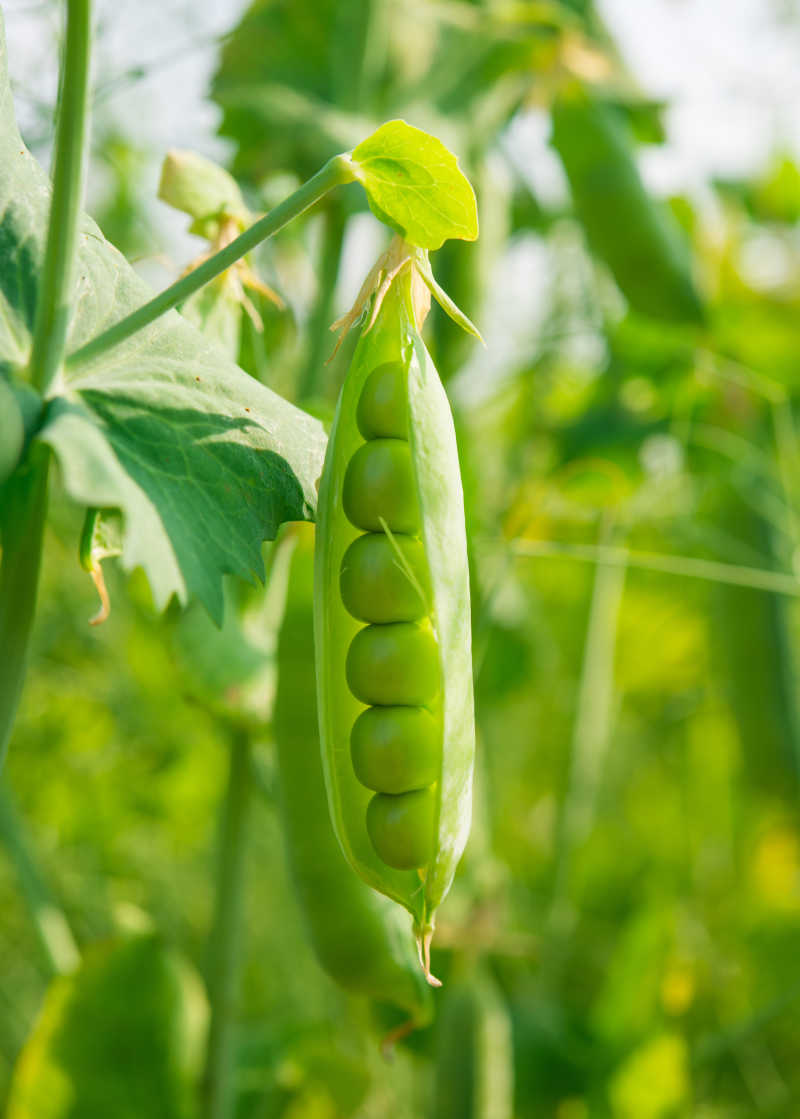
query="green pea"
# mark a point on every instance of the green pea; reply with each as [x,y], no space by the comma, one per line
[379,485]
[378,585]
[383,405]
[396,749]
[401,828]
[393,664]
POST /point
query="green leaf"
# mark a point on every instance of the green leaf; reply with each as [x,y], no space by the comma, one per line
[202,461]
[414,184]
[296,50]
[199,487]
[122,1037]
[313,125]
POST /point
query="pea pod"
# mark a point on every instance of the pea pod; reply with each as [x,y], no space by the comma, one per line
[474,1053]
[394,416]
[360,939]
[636,236]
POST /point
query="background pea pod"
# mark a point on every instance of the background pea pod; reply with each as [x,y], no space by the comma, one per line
[394,337]
[637,237]
[474,1052]
[360,939]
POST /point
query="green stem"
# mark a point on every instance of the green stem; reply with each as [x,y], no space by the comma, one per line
[688,566]
[56,941]
[788,459]
[334,222]
[592,727]
[336,172]
[23,505]
[223,966]
[53,303]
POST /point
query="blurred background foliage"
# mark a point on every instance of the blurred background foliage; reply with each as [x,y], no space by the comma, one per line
[621,940]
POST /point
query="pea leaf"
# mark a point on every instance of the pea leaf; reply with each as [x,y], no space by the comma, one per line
[414,184]
[121,1036]
[279,62]
[202,461]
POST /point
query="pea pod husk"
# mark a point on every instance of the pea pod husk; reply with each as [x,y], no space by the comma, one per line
[474,1052]
[394,336]
[635,235]
[359,938]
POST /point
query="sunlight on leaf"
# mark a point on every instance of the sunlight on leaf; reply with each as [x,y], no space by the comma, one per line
[414,185]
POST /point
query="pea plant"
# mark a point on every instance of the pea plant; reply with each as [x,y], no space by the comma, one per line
[226,833]
[184,465]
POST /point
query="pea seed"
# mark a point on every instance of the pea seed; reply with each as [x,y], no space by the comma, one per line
[379,485]
[382,411]
[395,664]
[380,585]
[396,749]
[401,827]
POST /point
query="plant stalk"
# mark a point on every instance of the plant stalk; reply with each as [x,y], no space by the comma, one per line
[23,506]
[690,567]
[336,172]
[69,168]
[56,942]
[590,735]
[334,222]
[223,966]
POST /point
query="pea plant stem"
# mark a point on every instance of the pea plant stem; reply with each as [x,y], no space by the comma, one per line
[56,942]
[223,964]
[334,221]
[788,457]
[23,506]
[69,167]
[685,566]
[592,726]
[336,172]
[23,503]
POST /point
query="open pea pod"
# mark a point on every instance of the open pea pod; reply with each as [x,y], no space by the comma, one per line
[428,665]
